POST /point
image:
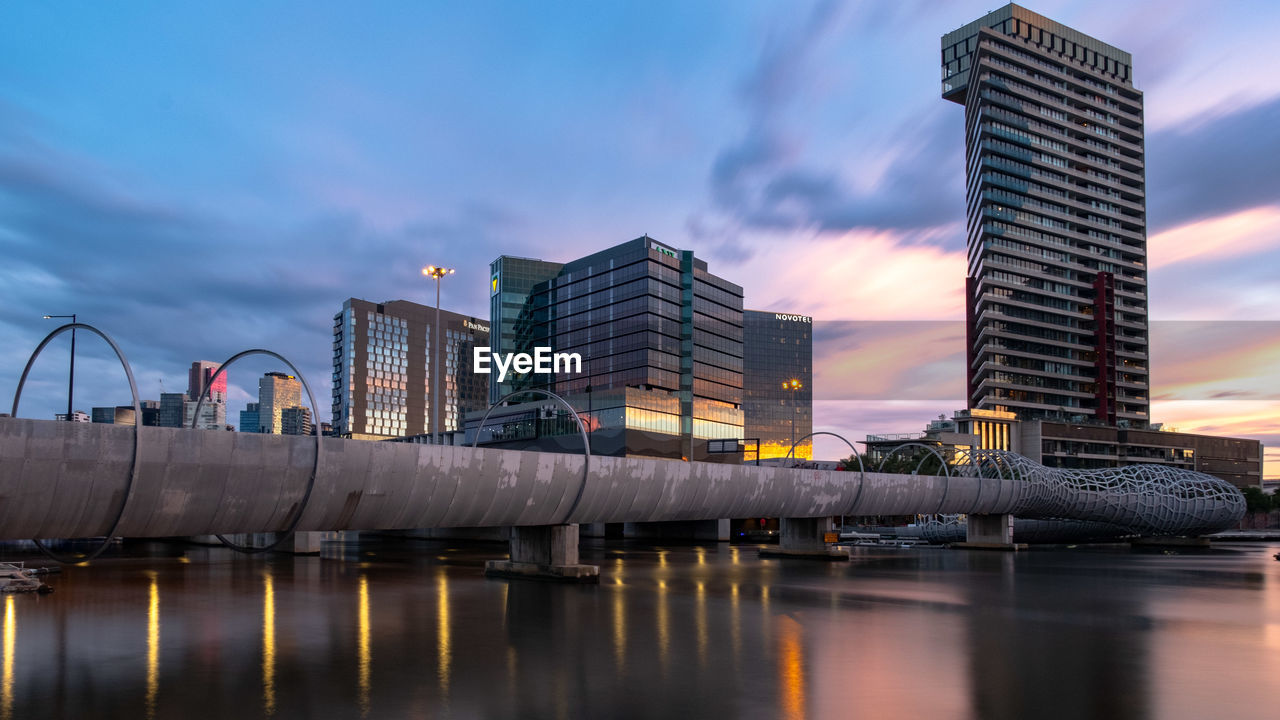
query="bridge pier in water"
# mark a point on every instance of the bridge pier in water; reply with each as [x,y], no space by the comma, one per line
[304,543]
[806,538]
[989,532]
[544,552]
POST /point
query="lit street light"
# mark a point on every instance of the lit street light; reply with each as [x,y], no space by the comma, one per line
[433,271]
[71,378]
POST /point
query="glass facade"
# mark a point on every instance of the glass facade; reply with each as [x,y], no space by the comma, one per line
[382,358]
[1056,200]
[777,350]
[172,409]
[249,418]
[660,339]
[276,392]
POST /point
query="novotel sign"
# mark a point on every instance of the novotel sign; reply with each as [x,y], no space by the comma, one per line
[793,318]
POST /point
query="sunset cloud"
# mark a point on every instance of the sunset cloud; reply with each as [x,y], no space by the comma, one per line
[219,184]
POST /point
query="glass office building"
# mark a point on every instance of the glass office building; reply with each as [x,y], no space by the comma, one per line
[1056,202]
[660,339]
[382,356]
[249,418]
[777,350]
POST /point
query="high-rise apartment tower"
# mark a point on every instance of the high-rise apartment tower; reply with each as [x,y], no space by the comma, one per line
[1056,207]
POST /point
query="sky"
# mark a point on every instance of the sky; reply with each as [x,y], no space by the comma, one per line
[200,179]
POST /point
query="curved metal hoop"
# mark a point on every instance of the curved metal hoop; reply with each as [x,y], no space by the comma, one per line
[933,450]
[979,459]
[946,470]
[137,446]
[794,445]
[315,463]
[582,428]
[862,470]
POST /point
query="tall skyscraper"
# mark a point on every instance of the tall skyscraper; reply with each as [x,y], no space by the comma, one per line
[198,377]
[276,393]
[382,369]
[1056,202]
[777,382]
[660,339]
[213,413]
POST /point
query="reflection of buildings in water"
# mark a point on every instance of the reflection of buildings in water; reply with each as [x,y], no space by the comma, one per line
[268,645]
[664,624]
[444,644]
[364,647]
[153,646]
[620,629]
[791,675]
[10,642]
[700,618]
[1029,632]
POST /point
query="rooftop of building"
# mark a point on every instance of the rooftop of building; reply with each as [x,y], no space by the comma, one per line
[1013,10]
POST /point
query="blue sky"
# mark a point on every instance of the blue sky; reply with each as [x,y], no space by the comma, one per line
[197,179]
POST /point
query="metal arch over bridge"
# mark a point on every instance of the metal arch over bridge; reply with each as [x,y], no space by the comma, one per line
[61,479]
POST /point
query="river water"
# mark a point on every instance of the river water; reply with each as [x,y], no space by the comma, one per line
[411,629]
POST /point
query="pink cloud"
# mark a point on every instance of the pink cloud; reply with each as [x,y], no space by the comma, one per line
[1225,236]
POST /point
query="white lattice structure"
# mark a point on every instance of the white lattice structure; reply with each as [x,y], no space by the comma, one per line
[1135,499]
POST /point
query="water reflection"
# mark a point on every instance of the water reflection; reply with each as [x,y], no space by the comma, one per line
[444,643]
[153,646]
[10,640]
[938,633]
[619,629]
[268,645]
[664,624]
[791,669]
[700,618]
[365,658]
[1098,633]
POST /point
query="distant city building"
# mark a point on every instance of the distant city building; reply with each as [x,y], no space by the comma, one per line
[249,418]
[777,349]
[1057,282]
[660,339]
[1085,446]
[382,356]
[276,392]
[213,416]
[295,421]
[213,412]
[1239,461]
[198,378]
[150,413]
[76,416]
[172,409]
[511,284]
[118,415]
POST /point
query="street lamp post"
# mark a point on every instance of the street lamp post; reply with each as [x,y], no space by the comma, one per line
[433,271]
[71,377]
[794,386]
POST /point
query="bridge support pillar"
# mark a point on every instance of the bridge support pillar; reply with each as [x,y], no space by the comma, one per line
[544,552]
[304,543]
[806,538]
[989,532]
